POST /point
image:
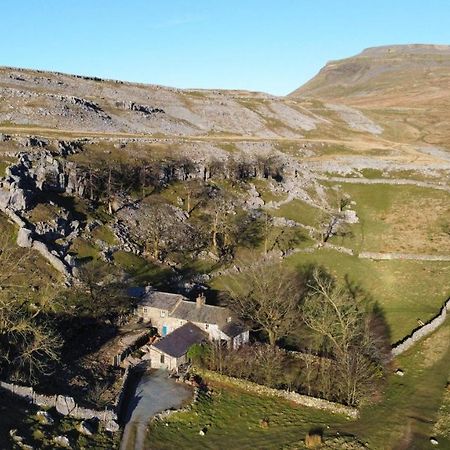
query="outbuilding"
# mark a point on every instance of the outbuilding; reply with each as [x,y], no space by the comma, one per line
[170,352]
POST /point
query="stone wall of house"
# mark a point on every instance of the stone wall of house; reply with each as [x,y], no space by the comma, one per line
[305,400]
[66,406]
[139,341]
[422,332]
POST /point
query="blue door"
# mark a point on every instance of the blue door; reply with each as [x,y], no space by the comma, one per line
[164,330]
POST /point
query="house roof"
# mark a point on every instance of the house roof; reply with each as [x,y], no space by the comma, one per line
[177,343]
[162,300]
[233,328]
[192,312]
[179,307]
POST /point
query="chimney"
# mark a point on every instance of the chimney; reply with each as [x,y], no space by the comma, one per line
[200,300]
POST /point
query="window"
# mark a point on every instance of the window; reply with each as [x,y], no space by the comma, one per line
[145,309]
[163,313]
[206,326]
[162,359]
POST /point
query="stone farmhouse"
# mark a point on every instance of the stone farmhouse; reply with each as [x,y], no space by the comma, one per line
[182,323]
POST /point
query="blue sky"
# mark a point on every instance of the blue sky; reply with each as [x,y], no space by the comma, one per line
[272,46]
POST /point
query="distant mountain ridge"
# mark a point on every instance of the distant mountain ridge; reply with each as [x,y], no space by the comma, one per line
[397,75]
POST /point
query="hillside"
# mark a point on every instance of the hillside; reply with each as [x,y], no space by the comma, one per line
[34,99]
[108,187]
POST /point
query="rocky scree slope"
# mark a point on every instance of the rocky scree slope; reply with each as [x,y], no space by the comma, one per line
[31,99]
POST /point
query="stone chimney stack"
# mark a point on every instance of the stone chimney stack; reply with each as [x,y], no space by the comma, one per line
[200,300]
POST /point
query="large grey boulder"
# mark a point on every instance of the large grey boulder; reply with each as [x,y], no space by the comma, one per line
[24,238]
[65,405]
[54,260]
[4,198]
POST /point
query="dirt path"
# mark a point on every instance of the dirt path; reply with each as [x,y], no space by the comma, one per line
[155,392]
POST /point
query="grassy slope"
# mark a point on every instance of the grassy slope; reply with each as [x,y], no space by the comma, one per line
[405,417]
[406,290]
[299,211]
[34,277]
[398,219]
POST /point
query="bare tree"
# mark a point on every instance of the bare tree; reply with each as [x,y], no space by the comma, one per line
[268,296]
[343,321]
[27,343]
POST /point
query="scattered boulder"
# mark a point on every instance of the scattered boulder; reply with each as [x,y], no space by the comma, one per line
[19,200]
[264,423]
[434,441]
[203,431]
[61,441]
[15,437]
[350,216]
[399,372]
[86,428]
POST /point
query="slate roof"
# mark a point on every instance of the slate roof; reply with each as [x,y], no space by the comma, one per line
[179,307]
[162,300]
[233,328]
[189,311]
[177,343]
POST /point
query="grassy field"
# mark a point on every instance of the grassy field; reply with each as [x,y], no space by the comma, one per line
[406,290]
[299,211]
[402,418]
[231,418]
[393,218]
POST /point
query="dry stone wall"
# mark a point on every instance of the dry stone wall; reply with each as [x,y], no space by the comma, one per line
[66,406]
[422,332]
[299,399]
[403,256]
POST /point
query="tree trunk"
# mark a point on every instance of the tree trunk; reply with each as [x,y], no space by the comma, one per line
[188,202]
[214,232]
[272,338]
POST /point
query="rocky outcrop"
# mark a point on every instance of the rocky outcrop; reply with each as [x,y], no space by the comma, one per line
[53,258]
[145,109]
